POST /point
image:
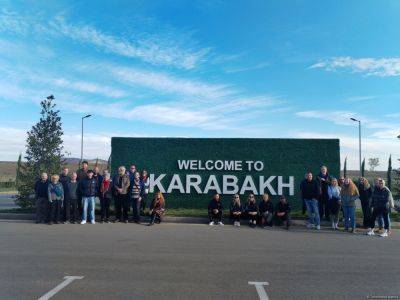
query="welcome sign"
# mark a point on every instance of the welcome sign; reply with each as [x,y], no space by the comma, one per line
[190,170]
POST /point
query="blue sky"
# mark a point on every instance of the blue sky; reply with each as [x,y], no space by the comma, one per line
[297,69]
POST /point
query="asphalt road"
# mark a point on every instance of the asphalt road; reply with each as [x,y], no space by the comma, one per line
[7,201]
[182,261]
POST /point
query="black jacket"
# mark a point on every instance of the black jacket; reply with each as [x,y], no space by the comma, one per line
[89,187]
[214,204]
[234,207]
[41,188]
[65,180]
[309,189]
[251,207]
[365,194]
[266,207]
[380,198]
[284,207]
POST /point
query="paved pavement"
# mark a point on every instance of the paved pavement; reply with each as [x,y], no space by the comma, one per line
[192,261]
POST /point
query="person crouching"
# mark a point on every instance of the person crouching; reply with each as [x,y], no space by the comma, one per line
[251,209]
[282,215]
[215,208]
[157,209]
[236,210]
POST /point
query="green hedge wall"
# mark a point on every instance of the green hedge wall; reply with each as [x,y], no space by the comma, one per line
[281,157]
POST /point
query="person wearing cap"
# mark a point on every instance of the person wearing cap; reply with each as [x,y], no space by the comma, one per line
[251,210]
[121,185]
[215,209]
[282,214]
[88,189]
[266,209]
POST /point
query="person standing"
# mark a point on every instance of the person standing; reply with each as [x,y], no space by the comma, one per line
[157,209]
[73,198]
[381,204]
[365,190]
[349,194]
[121,185]
[215,209]
[282,214]
[131,172]
[236,210]
[251,210]
[105,195]
[41,197]
[266,208]
[89,190]
[56,197]
[324,180]
[82,174]
[334,202]
[310,193]
[64,180]
[136,193]
[146,188]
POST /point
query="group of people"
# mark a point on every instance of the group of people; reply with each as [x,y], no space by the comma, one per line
[327,196]
[263,213]
[70,198]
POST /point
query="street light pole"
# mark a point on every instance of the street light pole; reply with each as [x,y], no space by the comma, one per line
[359,140]
[84,117]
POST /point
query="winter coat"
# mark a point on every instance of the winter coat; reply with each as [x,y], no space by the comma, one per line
[41,188]
[55,191]
[266,206]
[309,189]
[214,204]
[235,207]
[89,187]
[121,182]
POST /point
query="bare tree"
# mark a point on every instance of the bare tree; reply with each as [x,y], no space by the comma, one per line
[373,162]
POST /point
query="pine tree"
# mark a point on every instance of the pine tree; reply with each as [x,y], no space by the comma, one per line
[389,173]
[18,173]
[363,168]
[43,151]
[345,168]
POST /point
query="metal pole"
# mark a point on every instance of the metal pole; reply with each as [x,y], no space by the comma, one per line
[359,143]
[82,142]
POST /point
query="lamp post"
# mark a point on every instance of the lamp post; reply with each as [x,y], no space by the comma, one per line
[84,117]
[359,139]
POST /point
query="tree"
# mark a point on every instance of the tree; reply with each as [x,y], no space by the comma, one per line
[373,162]
[18,173]
[44,146]
[345,168]
[363,168]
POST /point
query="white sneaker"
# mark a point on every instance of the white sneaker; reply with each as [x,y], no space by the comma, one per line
[211,223]
[333,226]
[238,224]
[93,222]
[83,222]
[370,232]
[384,234]
[235,223]
[318,227]
[220,223]
[336,226]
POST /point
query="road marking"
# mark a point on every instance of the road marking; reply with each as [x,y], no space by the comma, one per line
[67,281]
[262,294]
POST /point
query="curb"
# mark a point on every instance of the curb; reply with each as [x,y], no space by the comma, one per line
[179,220]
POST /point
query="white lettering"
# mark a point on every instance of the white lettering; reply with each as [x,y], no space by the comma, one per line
[248,185]
[183,164]
[176,184]
[258,165]
[229,181]
[267,184]
[156,183]
[289,185]
[212,184]
[195,184]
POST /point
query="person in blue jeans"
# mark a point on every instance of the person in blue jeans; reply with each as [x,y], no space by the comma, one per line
[349,194]
[89,188]
[310,193]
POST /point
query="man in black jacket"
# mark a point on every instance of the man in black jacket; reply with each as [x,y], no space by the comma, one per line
[89,190]
[310,192]
[65,180]
[215,211]
[42,201]
[282,213]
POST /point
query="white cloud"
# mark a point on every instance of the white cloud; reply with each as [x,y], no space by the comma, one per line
[382,67]
[371,147]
